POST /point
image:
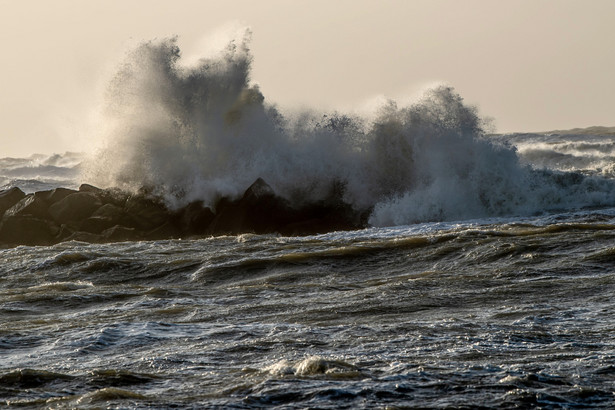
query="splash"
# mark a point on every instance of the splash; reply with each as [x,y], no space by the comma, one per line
[205,130]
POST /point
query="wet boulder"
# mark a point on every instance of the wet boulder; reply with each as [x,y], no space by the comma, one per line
[259,210]
[55,195]
[89,188]
[115,213]
[85,237]
[147,212]
[229,218]
[325,216]
[64,232]
[257,191]
[27,230]
[33,205]
[10,197]
[75,207]
[114,196]
[97,224]
[194,218]
[105,217]
[168,230]
[120,233]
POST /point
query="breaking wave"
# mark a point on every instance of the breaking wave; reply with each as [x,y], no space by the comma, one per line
[206,130]
[41,172]
[590,154]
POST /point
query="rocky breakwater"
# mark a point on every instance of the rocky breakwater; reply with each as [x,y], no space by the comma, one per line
[99,215]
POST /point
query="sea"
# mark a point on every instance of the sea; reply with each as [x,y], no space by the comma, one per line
[484,279]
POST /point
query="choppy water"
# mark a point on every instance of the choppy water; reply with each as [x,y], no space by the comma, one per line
[491,313]
[511,307]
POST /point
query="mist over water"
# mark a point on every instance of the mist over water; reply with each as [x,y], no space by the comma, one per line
[206,130]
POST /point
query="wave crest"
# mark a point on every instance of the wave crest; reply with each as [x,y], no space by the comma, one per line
[206,131]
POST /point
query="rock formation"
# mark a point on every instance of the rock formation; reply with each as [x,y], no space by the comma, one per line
[99,215]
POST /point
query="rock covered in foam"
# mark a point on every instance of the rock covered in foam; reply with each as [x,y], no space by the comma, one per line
[107,215]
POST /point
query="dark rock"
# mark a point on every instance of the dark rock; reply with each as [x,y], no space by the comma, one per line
[148,213]
[116,214]
[194,218]
[65,232]
[113,196]
[258,190]
[323,217]
[230,218]
[304,227]
[31,205]
[55,195]
[96,215]
[86,237]
[97,224]
[259,210]
[27,230]
[110,211]
[167,230]
[89,188]
[10,197]
[75,207]
[120,233]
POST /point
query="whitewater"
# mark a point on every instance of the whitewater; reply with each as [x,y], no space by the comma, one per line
[483,280]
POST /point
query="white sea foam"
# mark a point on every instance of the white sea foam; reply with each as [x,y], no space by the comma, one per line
[311,366]
[205,130]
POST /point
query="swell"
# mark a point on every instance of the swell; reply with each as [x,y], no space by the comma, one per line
[520,244]
[251,256]
[205,131]
[37,387]
[298,257]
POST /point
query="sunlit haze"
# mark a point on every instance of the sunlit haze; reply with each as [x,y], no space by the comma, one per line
[531,65]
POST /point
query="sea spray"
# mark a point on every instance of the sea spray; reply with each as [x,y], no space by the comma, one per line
[206,131]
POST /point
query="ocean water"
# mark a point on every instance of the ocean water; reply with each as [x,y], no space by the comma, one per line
[510,313]
[485,279]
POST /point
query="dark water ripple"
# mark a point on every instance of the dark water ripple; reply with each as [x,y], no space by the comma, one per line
[500,315]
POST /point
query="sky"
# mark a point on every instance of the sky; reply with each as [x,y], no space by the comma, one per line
[531,65]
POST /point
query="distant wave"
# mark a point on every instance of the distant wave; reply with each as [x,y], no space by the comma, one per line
[204,131]
[595,130]
[40,172]
[589,154]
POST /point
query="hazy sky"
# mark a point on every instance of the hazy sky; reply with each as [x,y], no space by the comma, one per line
[532,65]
